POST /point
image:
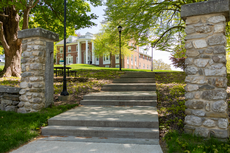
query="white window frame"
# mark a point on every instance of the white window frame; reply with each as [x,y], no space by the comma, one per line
[69,49]
[127,60]
[135,60]
[61,49]
[132,60]
[117,59]
[106,59]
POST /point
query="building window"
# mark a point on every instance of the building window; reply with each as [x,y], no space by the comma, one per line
[139,65]
[127,60]
[61,61]
[106,65]
[117,58]
[69,48]
[61,50]
[77,48]
[132,59]
[106,58]
[132,67]
[117,65]
[143,56]
[143,66]
[147,66]
[135,60]
[97,58]
[139,55]
[128,66]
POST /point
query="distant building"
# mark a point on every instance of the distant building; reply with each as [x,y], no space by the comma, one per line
[80,50]
[2,59]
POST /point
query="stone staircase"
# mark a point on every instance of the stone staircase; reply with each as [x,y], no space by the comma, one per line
[124,112]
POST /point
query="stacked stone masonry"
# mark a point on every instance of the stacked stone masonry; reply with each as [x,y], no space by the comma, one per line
[37,69]
[207,109]
[9,98]
[32,81]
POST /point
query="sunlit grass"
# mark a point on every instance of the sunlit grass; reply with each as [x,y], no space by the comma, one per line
[17,129]
[92,67]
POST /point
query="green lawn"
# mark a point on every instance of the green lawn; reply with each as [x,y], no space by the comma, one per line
[86,66]
[17,129]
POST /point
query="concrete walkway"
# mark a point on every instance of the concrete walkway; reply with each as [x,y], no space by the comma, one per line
[122,118]
[73,145]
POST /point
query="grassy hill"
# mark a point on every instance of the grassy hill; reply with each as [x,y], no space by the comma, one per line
[92,67]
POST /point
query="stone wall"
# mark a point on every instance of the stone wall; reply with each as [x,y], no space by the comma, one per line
[207,109]
[37,69]
[9,98]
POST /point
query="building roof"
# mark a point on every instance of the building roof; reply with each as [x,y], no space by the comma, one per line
[74,39]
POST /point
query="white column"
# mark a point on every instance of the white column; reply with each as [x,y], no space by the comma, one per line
[93,57]
[56,59]
[79,52]
[86,51]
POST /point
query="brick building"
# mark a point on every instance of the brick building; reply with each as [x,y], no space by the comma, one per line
[84,46]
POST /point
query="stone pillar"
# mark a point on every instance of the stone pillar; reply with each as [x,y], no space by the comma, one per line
[79,52]
[86,52]
[93,56]
[37,69]
[207,109]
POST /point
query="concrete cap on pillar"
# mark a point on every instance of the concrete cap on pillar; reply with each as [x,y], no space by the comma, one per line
[206,7]
[38,32]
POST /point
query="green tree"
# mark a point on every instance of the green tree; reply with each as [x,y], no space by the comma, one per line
[47,14]
[107,43]
[1,51]
[155,22]
[160,65]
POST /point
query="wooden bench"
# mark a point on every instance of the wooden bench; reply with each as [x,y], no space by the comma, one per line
[73,71]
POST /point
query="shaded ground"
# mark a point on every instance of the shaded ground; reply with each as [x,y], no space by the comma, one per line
[77,96]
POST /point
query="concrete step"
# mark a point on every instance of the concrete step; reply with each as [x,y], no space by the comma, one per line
[111,132]
[125,95]
[113,116]
[134,80]
[138,75]
[102,140]
[129,87]
[119,102]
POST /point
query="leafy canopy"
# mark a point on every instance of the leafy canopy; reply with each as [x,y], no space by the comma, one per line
[156,22]
[107,42]
[49,14]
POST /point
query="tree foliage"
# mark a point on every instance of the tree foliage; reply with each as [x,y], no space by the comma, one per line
[17,15]
[156,22]
[1,51]
[160,65]
[105,43]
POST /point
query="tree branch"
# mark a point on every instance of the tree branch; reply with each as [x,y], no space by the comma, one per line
[2,38]
[4,15]
[35,4]
[53,11]
[26,18]
[165,33]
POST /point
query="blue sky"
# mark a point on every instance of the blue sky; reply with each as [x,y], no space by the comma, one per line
[99,11]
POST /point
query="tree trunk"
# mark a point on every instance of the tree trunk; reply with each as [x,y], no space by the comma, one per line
[9,27]
[13,61]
